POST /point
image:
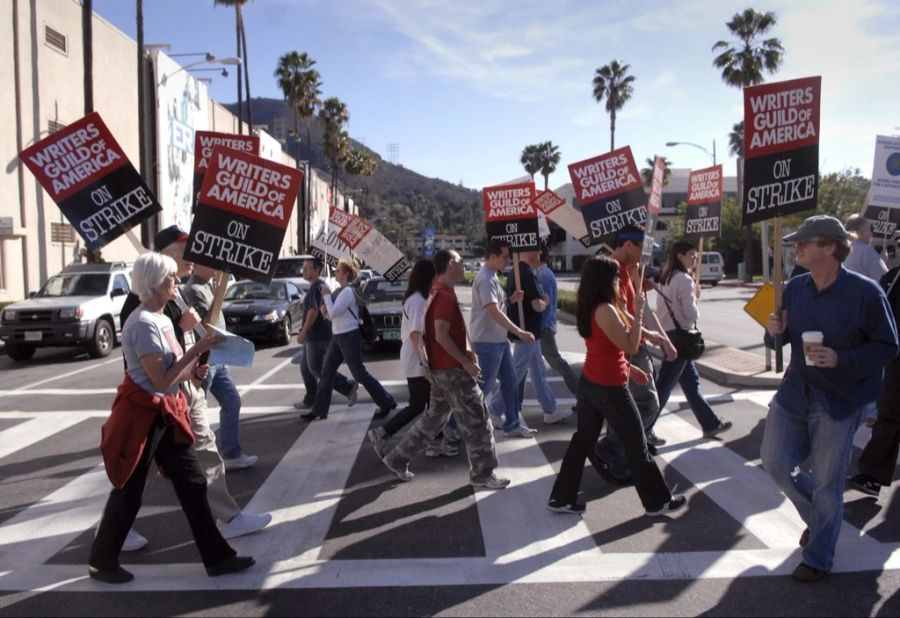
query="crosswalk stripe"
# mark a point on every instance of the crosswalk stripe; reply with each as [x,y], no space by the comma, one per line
[38,428]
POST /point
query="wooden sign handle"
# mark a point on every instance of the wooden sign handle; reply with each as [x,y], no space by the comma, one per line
[518,280]
[699,268]
[778,282]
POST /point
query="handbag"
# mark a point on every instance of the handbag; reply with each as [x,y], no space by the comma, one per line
[365,320]
[688,343]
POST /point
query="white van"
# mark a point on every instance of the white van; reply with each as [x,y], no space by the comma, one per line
[712,267]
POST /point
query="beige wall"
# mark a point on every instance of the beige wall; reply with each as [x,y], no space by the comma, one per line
[51,88]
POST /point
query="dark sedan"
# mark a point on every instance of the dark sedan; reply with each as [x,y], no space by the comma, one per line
[385,303]
[256,311]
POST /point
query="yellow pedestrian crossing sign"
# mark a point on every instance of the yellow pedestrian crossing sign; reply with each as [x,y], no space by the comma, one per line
[762,305]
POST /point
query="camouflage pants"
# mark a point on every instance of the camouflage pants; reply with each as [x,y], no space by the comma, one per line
[454,391]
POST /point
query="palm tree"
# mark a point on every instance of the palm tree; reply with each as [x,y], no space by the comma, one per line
[549,157]
[742,65]
[531,159]
[736,140]
[334,115]
[614,84]
[289,75]
[359,163]
[241,37]
[647,172]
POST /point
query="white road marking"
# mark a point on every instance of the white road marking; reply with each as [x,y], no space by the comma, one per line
[28,387]
[39,427]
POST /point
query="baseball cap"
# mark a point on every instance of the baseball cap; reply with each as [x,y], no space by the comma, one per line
[818,225]
[167,236]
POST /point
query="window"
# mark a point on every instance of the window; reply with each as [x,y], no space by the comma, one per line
[62,232]
[53,126]
[121,283]
[56,39]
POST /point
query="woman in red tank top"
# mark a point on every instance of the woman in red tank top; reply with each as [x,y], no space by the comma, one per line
[603,393]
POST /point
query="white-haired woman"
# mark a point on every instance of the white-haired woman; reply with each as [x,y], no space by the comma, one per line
[149,420]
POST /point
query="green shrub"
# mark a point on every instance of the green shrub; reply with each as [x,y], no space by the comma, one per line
[566,301]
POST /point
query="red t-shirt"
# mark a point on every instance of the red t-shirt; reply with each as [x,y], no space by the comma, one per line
[626,287]
[444,306]
[604,363]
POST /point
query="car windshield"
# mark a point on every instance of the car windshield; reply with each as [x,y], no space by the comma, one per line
[385,290]
[256,291]
[75,285]
[289,268]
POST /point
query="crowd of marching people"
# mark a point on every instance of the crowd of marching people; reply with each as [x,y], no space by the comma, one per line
[466,382]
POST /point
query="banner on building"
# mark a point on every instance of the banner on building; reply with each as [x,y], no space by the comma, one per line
[610,194]
[182,109]
[704,203]
[510,215]
[205,141]
[781,148]
[374,248]
[428,245]
[86,172]
[244,209]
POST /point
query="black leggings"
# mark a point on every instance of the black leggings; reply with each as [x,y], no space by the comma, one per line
[180,464]
[419,396]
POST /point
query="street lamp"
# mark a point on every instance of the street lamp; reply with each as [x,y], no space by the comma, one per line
[711,155]
[210,59]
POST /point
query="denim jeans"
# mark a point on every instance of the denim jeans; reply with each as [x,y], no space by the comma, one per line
[220,384]
[347,348]
[551,353]
[614,404]
[685,373]
[496,362]
[311,360]
[528,360]
[793,437]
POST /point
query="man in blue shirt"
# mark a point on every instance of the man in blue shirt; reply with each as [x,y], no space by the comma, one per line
[315,336]
[549,349]
[817,408]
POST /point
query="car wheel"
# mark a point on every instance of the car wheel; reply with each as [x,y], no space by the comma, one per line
[102,343]
[19,352]
[714,283]
[284,337]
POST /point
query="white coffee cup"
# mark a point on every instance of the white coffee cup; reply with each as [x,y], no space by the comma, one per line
[811,337]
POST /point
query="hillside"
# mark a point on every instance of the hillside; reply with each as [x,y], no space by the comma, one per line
[397,200]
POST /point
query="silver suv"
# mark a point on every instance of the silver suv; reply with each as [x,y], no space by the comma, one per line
[78,307]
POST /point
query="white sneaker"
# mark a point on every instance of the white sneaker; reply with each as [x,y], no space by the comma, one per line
[352,395]
[497,421]
[134,541]
[377,438]
[244,461]
[556,417]
[520,432]
[441,450]
[401,473]
[244,523]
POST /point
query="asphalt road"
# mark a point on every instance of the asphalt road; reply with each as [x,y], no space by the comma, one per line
[348,539]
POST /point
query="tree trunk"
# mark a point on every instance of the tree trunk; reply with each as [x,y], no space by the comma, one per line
[246,68]
[240,100]
[612,129]
[546,181]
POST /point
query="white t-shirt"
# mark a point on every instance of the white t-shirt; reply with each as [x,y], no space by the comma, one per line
[413,320]
[146,332]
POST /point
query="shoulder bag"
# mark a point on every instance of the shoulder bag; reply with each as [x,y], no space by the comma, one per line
[688,343]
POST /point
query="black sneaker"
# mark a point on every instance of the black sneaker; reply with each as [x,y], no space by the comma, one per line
[654,440]
[672,505]
[115,576]
[576,508]
[235,564]
[807,574]
[866,484]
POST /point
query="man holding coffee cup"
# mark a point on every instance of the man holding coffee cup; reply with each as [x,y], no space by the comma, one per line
[842,334]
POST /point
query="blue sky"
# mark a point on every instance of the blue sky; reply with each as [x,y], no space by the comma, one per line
[463,86]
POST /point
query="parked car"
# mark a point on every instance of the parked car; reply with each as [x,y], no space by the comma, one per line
[80,306]
[712,267]
[291,268]
[385,303]
[256,311]
[364,276]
